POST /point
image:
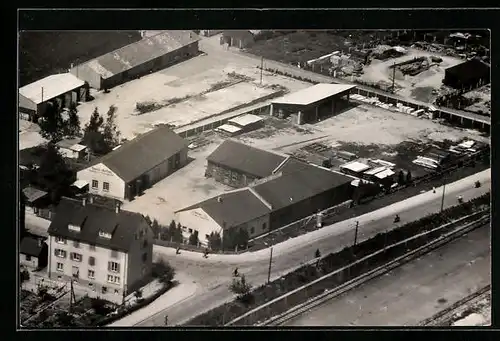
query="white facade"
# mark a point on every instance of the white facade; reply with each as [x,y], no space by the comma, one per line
[102,181]
[74,152]
[198,219]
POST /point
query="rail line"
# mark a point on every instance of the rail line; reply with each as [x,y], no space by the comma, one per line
[331,294]
[447,313]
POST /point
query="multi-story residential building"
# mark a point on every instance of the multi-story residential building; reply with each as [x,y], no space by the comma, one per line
[107,250]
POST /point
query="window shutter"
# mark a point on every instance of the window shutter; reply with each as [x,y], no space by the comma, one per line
[55,252]
[109,266]
[91,261]
[117,267]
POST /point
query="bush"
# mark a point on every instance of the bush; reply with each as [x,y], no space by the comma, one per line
[145,107]
[241,288]
[163,271]
[100,306]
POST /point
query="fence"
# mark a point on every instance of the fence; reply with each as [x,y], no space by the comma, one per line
[194,248]
[339,276]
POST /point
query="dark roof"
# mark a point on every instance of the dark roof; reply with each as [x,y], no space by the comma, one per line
[31,156]
[92,219]
[246,159]
[470,69]
[143,153]
[235,208]
[29,246]
[298,181]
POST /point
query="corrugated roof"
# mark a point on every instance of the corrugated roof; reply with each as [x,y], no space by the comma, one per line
[355,166]
[244,158]
[228,128]
[313,94]
[92,219]
[52,86]
[141,52]
[143,153]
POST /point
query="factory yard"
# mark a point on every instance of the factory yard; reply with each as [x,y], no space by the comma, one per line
[365,130]
[185,93]
[422,87]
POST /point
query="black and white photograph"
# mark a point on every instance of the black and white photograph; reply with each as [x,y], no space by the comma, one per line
[254,177]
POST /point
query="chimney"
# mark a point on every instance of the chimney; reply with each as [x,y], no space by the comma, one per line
[117,207]
[219,199]
[84,201]
[91,199]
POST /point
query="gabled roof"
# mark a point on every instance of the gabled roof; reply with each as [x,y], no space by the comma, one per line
[140,52]
[313,94]
[233,208]
[298,181]
[50,87]
[32,194]
[30,246]
[246,159]
[469,69]
[143,153]
[92,219]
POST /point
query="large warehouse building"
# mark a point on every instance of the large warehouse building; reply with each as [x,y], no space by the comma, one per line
[467,75]
[137,165]
[64,88]
[313,103]
[296,190]
[148,55]
[238,165]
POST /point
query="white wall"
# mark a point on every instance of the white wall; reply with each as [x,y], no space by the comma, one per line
[198,219]
[102,174]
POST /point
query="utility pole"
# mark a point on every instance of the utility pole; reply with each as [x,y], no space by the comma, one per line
[269,270]
[261,68]
[42,94]
[356,233]
[442,197]
[393,77]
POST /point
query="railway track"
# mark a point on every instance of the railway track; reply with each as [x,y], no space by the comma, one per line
[319,300]
[447,314]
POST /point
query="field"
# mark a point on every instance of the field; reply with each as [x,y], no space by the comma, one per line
[44,53]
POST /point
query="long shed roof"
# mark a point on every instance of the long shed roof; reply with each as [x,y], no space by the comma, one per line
[140,52]
[313,94]
[50,87]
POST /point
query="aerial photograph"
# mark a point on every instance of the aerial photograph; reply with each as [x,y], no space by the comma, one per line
[216,178]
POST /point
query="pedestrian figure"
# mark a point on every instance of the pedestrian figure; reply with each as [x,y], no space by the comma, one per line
[178,250]
[166,320]
[317,254]
[433,189]
[205,254]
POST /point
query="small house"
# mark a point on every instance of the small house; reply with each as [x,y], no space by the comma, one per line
[35,199]
[72,148]
[33,252]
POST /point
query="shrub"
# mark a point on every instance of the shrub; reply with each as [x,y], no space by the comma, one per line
[163,271]
[145,107]
[241,288]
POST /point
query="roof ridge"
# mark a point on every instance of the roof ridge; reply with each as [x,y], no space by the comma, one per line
[261,198]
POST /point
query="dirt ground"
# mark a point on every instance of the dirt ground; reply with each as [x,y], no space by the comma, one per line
[193,81]
[418,87]
[29,135]
[484,103]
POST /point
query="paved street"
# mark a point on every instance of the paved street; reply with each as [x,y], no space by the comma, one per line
[413,292]
[214,274]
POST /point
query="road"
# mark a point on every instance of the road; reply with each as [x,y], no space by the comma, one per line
[213,275]
[413,292]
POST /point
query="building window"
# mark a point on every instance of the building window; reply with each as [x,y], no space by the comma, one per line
[114,266]
[145,243]
[144,257]
[207,236]
[252,230]
[105,186]
[76,257]
[113,279]
[104,290]
[190,230]
[60,240]
[114,253]
[92,261]
[92,247]
[76,272]
[76,244]
[28,258]
[60,267]
[117,291]
[264,226]
[95,184]
[60,253]
[91,274]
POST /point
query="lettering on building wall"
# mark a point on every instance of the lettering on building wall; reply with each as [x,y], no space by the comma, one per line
[101,171]
[199,215]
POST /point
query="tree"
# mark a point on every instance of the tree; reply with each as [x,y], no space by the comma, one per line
[163,271]
[401,178]
[193,238]
[234,238]
[111,133]
[52,124]
[156,228]
[92,135]
[72,126]
[240,287]
[408,177]
[54,175]
[24,276]
[215,241]
[95,122]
